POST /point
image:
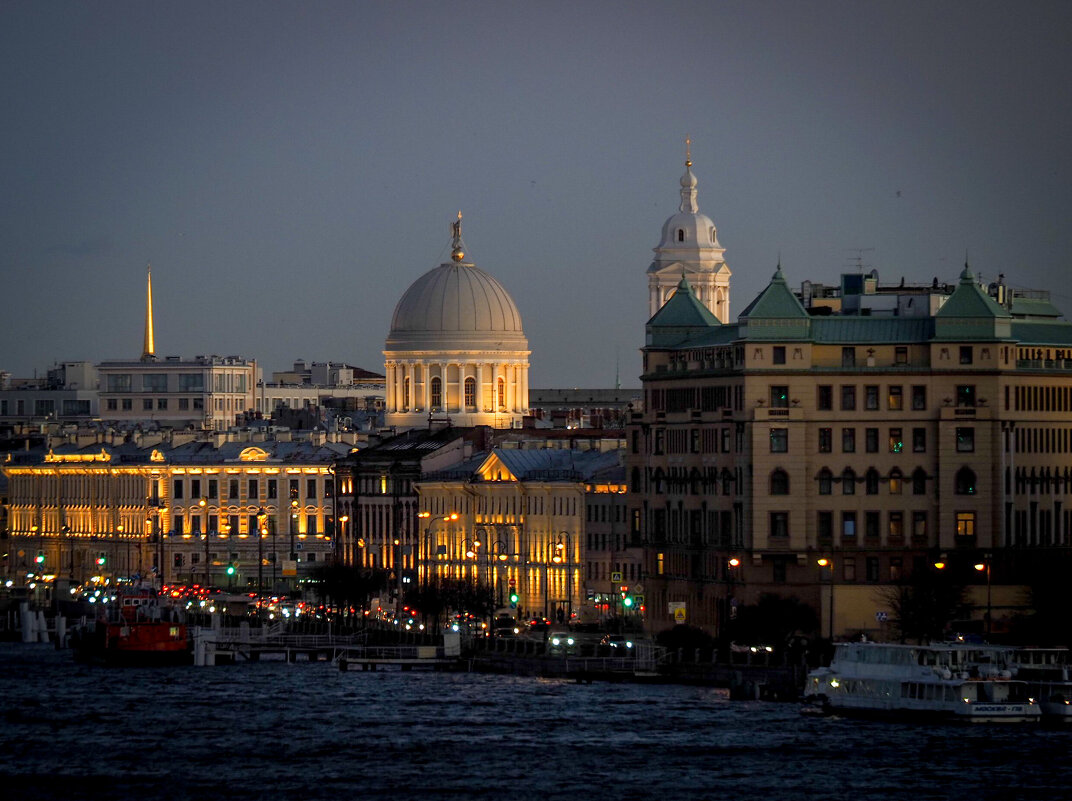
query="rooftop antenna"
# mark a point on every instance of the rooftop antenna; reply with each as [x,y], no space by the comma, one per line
[858,262]
[617,379]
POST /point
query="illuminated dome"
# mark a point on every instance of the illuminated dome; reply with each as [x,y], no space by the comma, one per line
[456,349]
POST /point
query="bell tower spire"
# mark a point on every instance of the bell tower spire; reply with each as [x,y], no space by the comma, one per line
[148,350]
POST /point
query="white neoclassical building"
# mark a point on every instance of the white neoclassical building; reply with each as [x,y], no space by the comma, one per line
[456,350]
[689,247]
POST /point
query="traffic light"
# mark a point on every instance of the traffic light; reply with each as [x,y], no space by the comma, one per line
[514,598]
[231,569]
[101,559]
[40,558]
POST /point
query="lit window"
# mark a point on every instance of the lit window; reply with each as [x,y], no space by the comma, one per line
[437,393]
[470,392]
[965,524]
[896,440]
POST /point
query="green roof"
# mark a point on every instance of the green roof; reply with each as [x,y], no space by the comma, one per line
[776,301]
[970,301]
[1048,332]
[681,317]
[683,310]
[1033,307]
[853,329]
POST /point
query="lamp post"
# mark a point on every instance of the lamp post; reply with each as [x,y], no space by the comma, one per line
[262,532]
[825,565]
[70,544]
[293,525]
[985,566]
[731,579]
[494,552]
[340,538]
[564,554]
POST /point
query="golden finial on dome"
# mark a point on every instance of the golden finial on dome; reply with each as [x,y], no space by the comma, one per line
[688,151]
[457,252]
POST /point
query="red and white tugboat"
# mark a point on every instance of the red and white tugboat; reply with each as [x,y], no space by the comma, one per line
[135,629]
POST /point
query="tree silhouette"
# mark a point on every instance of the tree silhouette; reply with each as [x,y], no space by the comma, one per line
[923,605]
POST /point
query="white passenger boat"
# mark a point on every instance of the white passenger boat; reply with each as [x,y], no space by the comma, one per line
[1048,674]
[921,680]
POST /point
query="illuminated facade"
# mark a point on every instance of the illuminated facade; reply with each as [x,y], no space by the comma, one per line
[456,350]
[514,519]
[883,432]
[184,508]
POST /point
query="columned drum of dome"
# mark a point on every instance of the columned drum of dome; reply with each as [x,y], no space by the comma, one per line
[689,248]
[456,349]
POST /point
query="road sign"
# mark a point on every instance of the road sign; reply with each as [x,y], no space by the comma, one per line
[679,614]
[616,576]
[290,567]
[882,617]
[512,582]
[638,599]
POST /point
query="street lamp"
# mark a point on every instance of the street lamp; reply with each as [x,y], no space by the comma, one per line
[202,504]
[564,554]
[731,578]
[825,564]
[985,566]
[262,532]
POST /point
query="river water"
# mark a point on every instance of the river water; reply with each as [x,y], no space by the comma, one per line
[279,731]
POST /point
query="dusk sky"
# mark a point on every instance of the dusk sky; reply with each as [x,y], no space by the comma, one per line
[290,168]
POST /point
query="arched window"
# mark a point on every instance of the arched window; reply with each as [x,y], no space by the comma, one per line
[896,481]
[405,393]
[470,392]
[502,393]
[848,482]
[964,482]
[680,234]
[919,481]
[779,483]
[437,392]
[871,482]
[826,482]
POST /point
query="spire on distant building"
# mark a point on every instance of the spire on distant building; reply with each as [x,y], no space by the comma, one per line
[148,350]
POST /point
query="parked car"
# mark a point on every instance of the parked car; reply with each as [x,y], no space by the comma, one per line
[561,643]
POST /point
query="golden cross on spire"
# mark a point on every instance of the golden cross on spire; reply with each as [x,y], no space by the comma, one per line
[688,151]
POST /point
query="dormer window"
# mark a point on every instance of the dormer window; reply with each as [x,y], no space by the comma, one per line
[680,234]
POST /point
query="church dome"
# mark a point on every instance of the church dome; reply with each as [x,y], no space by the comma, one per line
[689,229]
[456,305]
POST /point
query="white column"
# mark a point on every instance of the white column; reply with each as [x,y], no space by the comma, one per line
[426,372]
[524,388]
[480,387]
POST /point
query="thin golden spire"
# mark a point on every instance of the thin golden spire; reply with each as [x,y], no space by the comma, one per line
[688,151]
[148,350]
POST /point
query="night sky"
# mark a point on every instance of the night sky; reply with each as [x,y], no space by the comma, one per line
[290,168]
